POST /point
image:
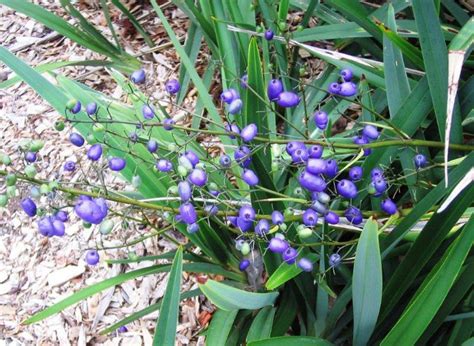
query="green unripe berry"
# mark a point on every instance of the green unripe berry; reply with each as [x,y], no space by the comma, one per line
[276,150]
[53,185]
[106,227]
[133,255]
[98,128]
[300,227]
[182,171]
[245,250]
[305,232]
[44,189]
[172,147]
[36,145]
[5,159]
[213,186]
[10,179]
[201,165]
[302,71]
[41,212]
[371,190]
[11,191]
[259,29]
[86,224]
[35,192]
[136,181]
[30,171]
[59,125]
[288,212]
[299,28]
[283,227]
[70,104]
[282,26]
[3,200]
[91,139]
[184,161]
[173,190]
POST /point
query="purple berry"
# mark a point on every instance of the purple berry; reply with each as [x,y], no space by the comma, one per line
[69,166]
[262,227]
[244,264]
[62,215]
[225,161]
[94,152]
[243,156]
[184,190]
[348,89]
[291,147]
[319,207]
[172,86]
[168,124]
[346,74]
[193,228]
[250,177]
[347,189]
[28,206]
[117,164]
[192,157]
[334,260]
[198,177]
[152,146]
[91,108]
[247,213]
[334,88]
[147,112]
[58,228]
[211,209]
[188,213]
[315,151]
[232,128]
[300,156]
[388,206]
[277,217]
[232,220]
[316,166]
[76,139]
[92,257]
[362,140]
[122,329]
[45,226]
[235,106]
[420,161]
[138,76]
[269,35]
[288,99]
[277,245]
[30,157]
[290,255]
[331,218]
[244,81]
[355,173]
[353,215]
[164,165]
[310,218]
[370,132]
[77,108]
[321,119]
[229,95]
[331,168]
[305,264]
[133,137]
[244,225]
[249,132]
[376,173]
[274,89]
[380,185]
[311,182]
[91,210]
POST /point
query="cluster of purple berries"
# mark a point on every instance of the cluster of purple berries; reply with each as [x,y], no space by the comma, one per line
[276,93]
[346,88]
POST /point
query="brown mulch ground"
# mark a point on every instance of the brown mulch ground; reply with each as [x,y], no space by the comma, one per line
[35,272]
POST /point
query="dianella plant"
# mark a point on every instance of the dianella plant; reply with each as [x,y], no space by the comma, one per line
[325,194]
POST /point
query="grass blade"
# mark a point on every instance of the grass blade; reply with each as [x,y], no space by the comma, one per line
[290,341]
[167,323]
[220,327]
[367,284]
[230,298]
[261,327]
[430,295]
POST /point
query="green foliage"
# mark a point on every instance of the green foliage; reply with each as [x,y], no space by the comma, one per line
[404,279]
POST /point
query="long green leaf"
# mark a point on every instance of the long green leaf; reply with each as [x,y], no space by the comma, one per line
[220,327]
[261,327]
[230,298]
[290,341]
[167,323]
[366,284]
[429,297]
[134,21]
